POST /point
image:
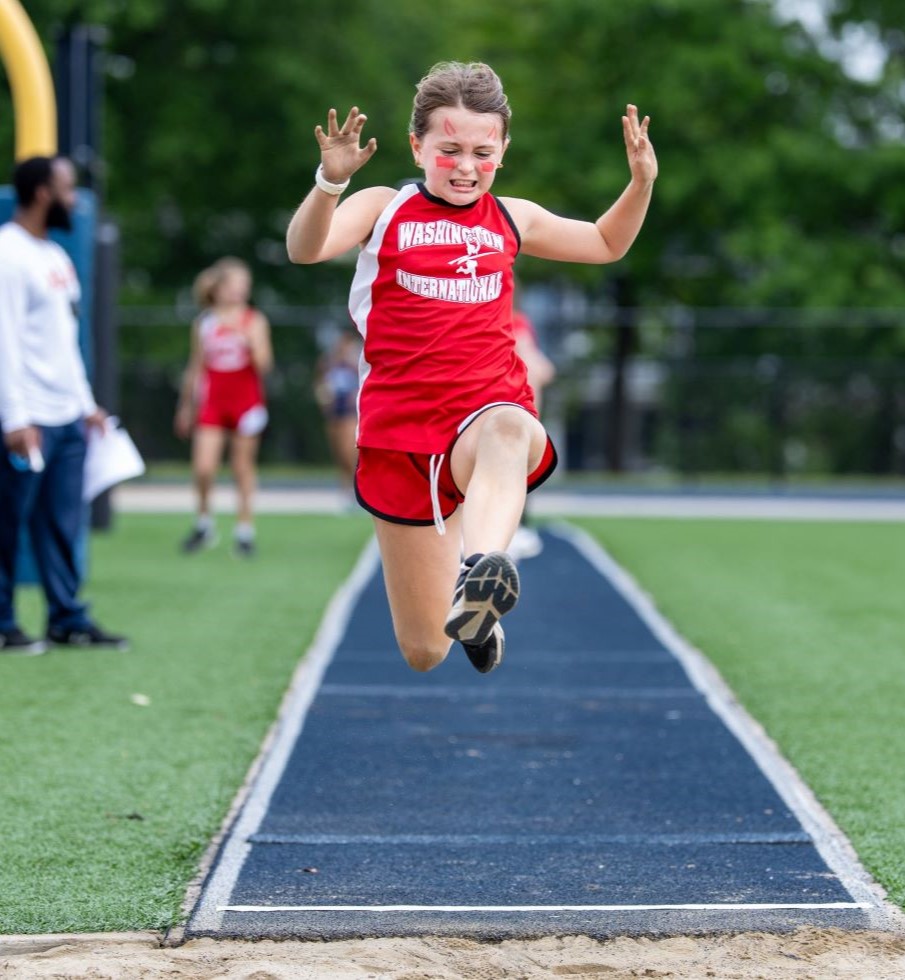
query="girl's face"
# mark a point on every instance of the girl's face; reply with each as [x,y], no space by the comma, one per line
[460,153]
[234,288]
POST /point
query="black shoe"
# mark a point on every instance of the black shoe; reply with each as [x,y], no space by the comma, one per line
[244,549]
[15,641]
[487,589]
[199,538]
[86,636]
[488,655]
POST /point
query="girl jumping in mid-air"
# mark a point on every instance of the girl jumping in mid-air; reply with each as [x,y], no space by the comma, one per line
[446,416]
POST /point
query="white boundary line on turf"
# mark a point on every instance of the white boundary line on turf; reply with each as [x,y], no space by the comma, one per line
[546,908]
[271,761]
[829,840]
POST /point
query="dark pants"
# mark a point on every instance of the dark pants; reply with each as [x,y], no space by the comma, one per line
[50,505]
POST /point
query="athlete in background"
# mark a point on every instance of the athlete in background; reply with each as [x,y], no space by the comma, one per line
[526,542]
[445,411]
[222,396]
[336,391]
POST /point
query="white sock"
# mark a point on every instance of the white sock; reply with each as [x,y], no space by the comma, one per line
[205,523]
[244,532]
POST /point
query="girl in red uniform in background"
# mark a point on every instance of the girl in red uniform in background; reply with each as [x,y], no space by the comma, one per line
[446,415]
[222,396]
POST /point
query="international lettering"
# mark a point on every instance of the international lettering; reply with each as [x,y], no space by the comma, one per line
[482,289]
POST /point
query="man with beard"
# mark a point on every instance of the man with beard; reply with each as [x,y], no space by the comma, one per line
[45,406]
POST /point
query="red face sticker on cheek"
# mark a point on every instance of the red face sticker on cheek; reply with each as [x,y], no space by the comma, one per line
[488,166]
[445,163]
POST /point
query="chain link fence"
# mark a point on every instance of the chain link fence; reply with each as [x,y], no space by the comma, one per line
[678,390]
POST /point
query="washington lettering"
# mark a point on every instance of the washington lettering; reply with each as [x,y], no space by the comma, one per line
[415,233]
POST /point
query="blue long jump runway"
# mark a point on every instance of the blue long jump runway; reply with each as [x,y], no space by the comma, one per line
[587,786]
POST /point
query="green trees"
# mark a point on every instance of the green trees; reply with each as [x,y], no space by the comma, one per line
[776,164]
[781,145]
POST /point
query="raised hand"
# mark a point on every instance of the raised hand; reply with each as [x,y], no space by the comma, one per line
[641,157]
[341,154]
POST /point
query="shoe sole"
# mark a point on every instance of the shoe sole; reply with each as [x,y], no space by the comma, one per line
[492,662]
[490,591]
[34,650]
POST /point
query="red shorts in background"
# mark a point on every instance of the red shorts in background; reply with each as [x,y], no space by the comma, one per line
[233,400]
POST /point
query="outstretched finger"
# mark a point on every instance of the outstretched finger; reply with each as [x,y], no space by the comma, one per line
[332,127]
[632,113]
[631,139]
[349,124]
[645,123]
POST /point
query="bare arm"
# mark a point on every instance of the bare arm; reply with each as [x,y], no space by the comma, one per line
[185,409]
[322,228]
[549,236]
[260,343]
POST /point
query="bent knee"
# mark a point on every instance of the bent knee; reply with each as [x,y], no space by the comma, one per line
[422,656]
[509,427]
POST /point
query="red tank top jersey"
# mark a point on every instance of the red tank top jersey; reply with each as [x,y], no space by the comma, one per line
[432,298]
[229,382]
[225,346]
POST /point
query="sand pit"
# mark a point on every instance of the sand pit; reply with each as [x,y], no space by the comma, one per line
[808,954]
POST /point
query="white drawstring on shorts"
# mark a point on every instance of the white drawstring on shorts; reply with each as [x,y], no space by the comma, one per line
[436,463]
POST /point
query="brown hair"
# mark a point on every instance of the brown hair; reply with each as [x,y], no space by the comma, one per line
[473,86]
[208,280]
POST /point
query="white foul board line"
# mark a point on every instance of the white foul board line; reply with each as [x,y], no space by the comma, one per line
[756,907]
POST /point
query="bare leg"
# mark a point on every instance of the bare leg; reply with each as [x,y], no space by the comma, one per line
[207,451]
[243,458]
[490,464]
[420,569]
[341,433]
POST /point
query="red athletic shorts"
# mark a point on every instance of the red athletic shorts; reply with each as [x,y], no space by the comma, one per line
[233,400]
[396,485]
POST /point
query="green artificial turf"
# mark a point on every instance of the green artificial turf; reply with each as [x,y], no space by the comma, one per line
[107,804]
[806,622]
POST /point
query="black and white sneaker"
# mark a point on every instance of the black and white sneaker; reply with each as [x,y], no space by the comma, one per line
[88,636]
[198,539]
[244,547]
[488,655]
[14,641]
[487,588]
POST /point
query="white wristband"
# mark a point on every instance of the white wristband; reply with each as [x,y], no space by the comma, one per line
[327,186]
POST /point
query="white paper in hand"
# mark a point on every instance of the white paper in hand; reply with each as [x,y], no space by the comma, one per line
[111,458]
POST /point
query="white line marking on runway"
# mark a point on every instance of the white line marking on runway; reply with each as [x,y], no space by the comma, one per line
[519,691]
[754,907]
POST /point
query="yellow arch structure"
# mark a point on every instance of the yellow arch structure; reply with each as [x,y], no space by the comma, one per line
[34,101]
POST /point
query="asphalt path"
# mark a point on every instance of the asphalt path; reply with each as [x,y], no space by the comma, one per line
[600,782]
[552,499]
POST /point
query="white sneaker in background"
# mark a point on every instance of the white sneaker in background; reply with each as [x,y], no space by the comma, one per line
[526,543]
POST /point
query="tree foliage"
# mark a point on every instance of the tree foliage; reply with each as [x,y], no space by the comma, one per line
[778,168]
